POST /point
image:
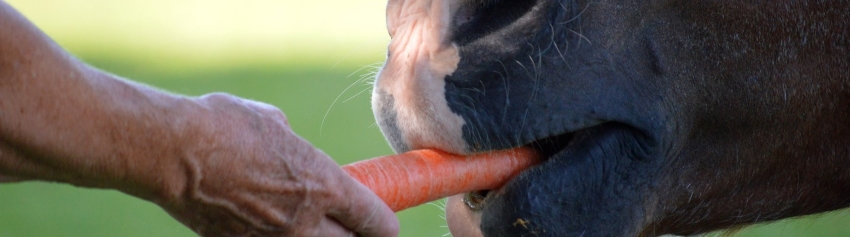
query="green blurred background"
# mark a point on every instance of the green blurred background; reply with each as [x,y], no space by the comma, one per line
[313,59]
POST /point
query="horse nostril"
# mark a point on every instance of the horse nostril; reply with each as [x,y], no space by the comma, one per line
[476,200]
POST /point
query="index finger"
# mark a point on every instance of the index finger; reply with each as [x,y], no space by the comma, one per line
[363,212]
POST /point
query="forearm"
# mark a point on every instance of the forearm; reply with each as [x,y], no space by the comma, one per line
[64,121]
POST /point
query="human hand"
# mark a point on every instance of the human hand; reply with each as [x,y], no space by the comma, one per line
[251,175]
[223,166]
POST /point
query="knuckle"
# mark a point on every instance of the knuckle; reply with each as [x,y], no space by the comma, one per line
[272,112]
[218,97]
[276,113]
[254,107]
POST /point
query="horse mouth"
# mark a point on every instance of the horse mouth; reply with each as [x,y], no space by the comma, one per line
[547,147]
[463,212]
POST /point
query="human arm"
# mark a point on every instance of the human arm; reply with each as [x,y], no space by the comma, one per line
[219,164]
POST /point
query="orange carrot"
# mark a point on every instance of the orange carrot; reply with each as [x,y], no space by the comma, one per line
[413,178]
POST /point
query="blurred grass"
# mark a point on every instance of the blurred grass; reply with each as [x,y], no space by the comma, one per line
[298,55]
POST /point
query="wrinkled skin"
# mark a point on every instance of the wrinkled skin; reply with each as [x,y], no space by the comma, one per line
[656,117]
